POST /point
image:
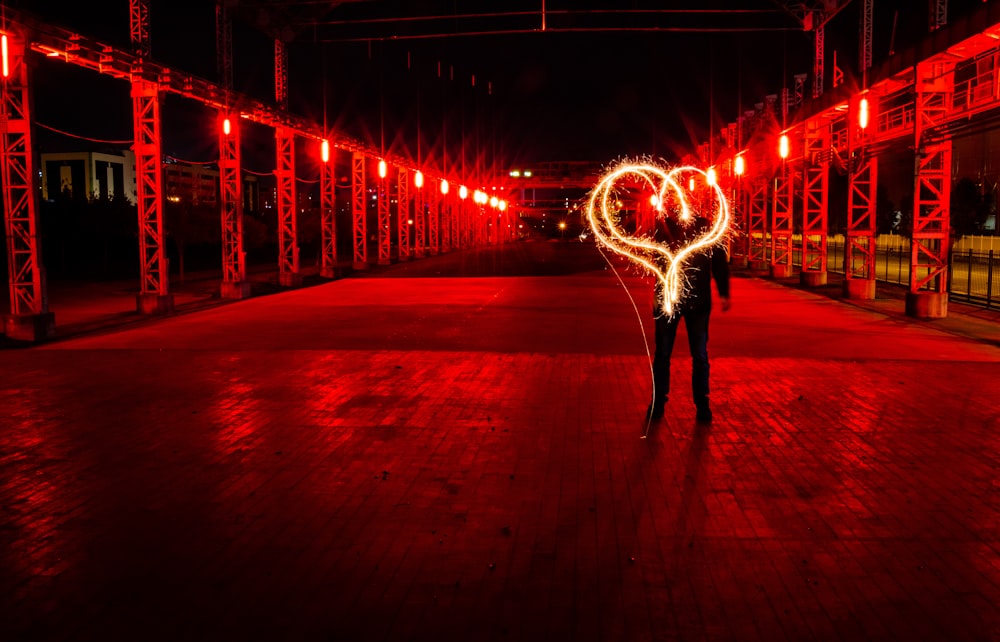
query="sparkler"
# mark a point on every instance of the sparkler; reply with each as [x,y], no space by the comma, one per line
[669,198]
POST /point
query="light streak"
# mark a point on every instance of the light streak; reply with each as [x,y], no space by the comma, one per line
[666,264]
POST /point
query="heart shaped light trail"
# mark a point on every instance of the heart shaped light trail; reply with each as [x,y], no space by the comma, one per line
[670,192]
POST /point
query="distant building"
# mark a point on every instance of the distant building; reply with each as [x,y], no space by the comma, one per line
[89,174]
[106,175]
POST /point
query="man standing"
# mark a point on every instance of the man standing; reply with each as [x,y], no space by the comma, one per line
[694,307]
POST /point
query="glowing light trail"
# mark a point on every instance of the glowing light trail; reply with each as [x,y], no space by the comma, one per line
[667,264]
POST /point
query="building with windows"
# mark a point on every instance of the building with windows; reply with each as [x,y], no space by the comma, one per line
[89,175]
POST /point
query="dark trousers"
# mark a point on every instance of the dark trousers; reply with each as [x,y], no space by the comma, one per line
[696,324]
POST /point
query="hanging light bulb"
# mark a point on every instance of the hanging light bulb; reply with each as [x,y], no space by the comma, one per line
[739,166]
[382,169]
[418,179]
[710,176]
[783,146]
[324,151]
[863,113]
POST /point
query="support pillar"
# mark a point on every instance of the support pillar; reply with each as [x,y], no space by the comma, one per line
[815,203]
[358,210]
[289,273]
[328,217]
[403,213]
[928,295]
[433,220]
[862,188]
[757,228]
[781,223]
[234,282]
[419,218]
[29,318]
[154,294]
[384,220]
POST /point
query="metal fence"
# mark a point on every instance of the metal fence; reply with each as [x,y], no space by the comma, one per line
[974,275]
[973,265]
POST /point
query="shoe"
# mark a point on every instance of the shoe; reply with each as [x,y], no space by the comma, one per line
[655,410]
[704,414]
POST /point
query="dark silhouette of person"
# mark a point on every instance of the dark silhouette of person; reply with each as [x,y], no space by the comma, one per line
[694,306]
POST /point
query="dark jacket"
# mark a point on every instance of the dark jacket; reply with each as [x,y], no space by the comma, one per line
[699,268]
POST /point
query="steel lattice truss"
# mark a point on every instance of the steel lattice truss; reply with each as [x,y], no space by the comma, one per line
[358,209]
[403,213]
[815,197]
[931,215]
[231,191]
[862,182]
[20,207]
[782,212]
[149,186]
[384,222]
[757,228]
[328,221]
[284,174]
[433,220]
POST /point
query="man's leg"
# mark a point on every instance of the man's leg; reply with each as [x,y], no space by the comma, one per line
[696,322]
[666,333]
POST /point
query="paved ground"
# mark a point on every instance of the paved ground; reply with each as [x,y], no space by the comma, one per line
[450,450]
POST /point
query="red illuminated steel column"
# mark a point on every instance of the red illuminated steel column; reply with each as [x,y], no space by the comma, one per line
[738,224]
[284,174]
[446,213]
[384,216]
[327,212]
[154,296]
[781,222]
[928,295]
[29,318]
[862,185]
[815,202]
[419,217]
[757,225]
[359,210]
[234,281]
[433,219]
[403,213]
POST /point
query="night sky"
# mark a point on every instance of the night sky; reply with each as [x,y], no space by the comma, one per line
[569,93]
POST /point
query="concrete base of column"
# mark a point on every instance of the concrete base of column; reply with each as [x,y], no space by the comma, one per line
[290,279]
[780,270]
[738,262]
[154,303]
[812,279]
[927,305]
[30,327]
[861,289]
[234,289]
[758,266]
